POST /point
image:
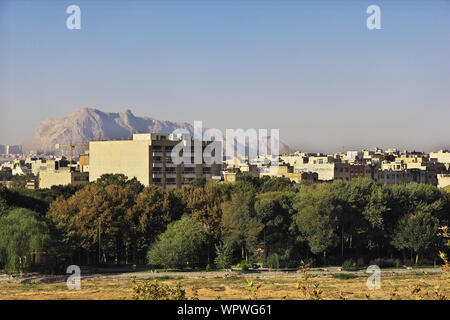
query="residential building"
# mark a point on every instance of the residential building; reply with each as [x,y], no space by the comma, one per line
[443,180]
[442,156]
[147,157]
[288,171]
[63,176]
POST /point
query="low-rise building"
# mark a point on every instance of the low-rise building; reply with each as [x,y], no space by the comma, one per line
[63,176]
[442,156]
[288,171]
[443,180]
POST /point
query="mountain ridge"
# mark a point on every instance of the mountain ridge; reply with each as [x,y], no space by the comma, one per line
[87,124]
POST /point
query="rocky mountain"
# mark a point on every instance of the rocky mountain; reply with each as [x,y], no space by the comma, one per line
[89,124]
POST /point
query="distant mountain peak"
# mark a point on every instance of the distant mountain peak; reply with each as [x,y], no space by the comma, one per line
[87,124]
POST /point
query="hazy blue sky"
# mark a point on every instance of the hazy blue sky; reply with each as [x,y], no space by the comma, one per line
[310,68]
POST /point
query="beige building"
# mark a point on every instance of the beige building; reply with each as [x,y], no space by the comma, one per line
[288,171]
[443,180]
[147,157]
[442,156]
[64,176]
[38,165]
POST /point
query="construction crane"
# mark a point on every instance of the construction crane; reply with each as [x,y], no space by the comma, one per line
[71,146]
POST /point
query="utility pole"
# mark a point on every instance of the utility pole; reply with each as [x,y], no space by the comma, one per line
[99,240]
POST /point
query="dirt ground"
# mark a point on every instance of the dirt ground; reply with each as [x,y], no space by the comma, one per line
[417,285]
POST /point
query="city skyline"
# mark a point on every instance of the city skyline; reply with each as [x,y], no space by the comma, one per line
[312,70]
[121,125]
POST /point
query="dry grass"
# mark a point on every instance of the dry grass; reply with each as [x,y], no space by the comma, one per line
[397,287]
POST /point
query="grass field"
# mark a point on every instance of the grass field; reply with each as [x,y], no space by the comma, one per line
[234,287]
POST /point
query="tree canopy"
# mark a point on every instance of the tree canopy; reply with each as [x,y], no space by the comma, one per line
[23,235]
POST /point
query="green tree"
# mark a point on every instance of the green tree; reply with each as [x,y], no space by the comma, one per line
[198,182]
[22,236]
[240,227]
[315,220]
[119,180]
[417,232]
[179,246]
[154,210]
[247,184]
[3,207]
[276,184]
[275,217]
[224,256]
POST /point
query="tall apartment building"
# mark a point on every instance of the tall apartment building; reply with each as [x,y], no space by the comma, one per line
[147,157]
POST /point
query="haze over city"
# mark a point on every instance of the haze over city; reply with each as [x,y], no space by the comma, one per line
[311,69]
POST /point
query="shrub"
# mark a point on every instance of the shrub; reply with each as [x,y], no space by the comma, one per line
[360,262]
[386,263]
[344,276]
[245,265]
[311,262]
[273,261]
[152,290]
[208,268]
[349,264]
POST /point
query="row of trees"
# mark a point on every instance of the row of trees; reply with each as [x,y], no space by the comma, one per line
[210,223]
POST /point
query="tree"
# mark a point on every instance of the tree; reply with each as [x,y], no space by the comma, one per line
[3,207]
[240,227]
[119,180]
[276,220]
[22,236]
[154,210]
[79,217]
[417,231]
[276,184]
[315,220]
[224,256]
[179,246]
[198,182]
[247,184]
[204,206]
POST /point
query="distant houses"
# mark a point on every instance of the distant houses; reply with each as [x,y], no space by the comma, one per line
[148,158]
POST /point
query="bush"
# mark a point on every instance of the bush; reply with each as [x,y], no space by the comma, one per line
[386,263]
[311,262]
[245,265]
[360,262]
[273,261]
[208,268]
[349,265]
[152,290]
[344,276]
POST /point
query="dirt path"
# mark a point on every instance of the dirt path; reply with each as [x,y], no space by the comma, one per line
[119,274]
